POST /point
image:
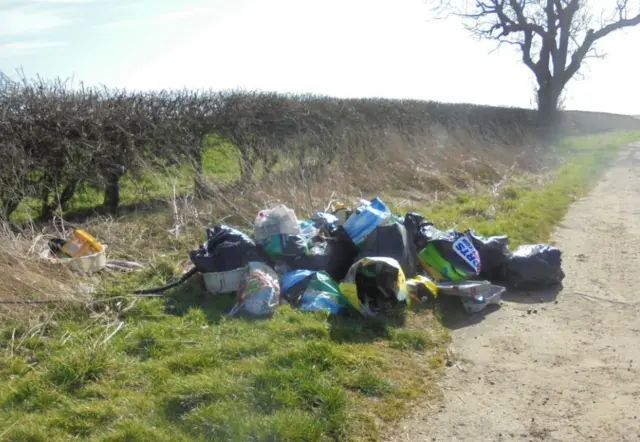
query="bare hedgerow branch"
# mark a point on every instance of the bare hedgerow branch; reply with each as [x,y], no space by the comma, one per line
[56,138]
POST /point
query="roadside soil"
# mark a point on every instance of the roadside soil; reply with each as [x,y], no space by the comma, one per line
[555,366]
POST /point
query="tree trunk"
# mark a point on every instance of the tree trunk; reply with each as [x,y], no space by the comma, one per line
[60,201]
[548,113]
[112,194]
[9,206]
[67,193]
[198,180]
[246,166]
[46,208]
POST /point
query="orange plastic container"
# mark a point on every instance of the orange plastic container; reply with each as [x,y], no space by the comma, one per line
[81,244]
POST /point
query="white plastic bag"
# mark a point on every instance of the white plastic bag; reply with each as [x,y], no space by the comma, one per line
[279,220]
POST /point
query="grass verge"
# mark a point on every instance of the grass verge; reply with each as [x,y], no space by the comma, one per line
[528,207]
[179,369]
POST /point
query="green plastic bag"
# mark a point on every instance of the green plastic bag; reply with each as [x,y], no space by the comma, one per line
[312,291]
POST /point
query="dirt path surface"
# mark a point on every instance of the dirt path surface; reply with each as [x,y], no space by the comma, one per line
[556,367]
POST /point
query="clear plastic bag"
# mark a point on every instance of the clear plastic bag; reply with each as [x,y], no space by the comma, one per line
[279,220]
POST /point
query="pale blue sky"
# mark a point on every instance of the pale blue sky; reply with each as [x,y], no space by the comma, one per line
[351,48]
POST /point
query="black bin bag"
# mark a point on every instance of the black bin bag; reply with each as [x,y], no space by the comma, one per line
[334,256]
[225,249]
[415,223]
[493,253]
[533,266]
[392,241]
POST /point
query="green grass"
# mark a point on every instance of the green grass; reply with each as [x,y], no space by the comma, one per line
[527,208]
[179,369]
[598,142]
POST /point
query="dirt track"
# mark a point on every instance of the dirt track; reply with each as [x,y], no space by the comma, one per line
[566,371]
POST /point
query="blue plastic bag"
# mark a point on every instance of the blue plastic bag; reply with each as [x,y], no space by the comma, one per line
[312,301]
[365,219]
[292,278]
[312,291]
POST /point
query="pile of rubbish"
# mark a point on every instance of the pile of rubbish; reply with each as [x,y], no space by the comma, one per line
[365,258]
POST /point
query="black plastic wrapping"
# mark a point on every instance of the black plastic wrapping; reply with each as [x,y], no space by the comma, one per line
[533,266]
[392,241]
[493,253]
[225,249]
[415,223]
[335,256]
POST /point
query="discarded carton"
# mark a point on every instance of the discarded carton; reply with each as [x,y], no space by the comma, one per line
[92,263]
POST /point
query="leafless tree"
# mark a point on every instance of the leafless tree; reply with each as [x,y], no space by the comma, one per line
[555,37]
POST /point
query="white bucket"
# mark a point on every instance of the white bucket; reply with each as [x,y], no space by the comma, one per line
[491,296]
[475,295]
[84,264]
[224,282]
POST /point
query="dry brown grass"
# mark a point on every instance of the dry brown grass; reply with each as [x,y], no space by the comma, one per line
[402,170]
[25,276]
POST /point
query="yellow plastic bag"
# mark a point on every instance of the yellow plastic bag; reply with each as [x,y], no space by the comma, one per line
[421,289]
[374,284]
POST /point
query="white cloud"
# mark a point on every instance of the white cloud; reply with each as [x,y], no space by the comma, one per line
[62,2]
[178,15]
[25,21]
[22,47]
[166,17]
[26,45]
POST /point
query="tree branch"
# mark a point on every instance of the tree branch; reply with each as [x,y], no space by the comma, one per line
[622,23]
[505,23]
[523,22]
[525,46]
[565,20]
[593,36]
